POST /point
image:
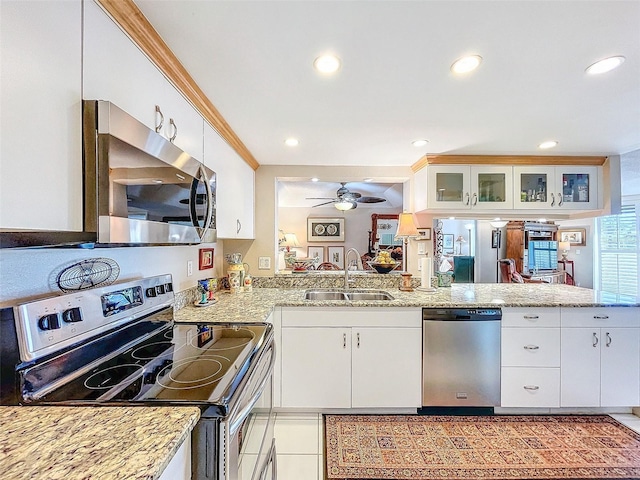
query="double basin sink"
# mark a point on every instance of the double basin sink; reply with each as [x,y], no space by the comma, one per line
[347,295]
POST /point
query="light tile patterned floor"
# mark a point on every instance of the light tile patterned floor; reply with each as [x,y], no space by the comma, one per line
[299,443]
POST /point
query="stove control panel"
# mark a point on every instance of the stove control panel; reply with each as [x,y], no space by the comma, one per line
[49,325]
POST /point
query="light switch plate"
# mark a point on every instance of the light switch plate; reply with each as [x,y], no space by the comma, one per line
[422,248]
[264,263]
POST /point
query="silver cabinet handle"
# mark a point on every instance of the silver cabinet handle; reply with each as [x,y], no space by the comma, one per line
[531,387]
[531,347]
[608,339]
[595,339]
[466,196]
[560,200]
[159,125]
[344,340]
[601,317]
[238,225]
[531,317]
[475,199]
[553,199]
[175,130]
[358,339]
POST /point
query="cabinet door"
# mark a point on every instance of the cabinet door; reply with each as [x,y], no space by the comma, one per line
[387,369]
[577,188]
[620,356]
[316,367]
[235,187]
[448,186]
[115,69]
[41,148]
[187,122]
[533,188]
[580,367]
[491,187]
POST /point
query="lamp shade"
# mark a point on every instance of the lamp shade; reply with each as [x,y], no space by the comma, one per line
[406,226]
[460,239]
[564,246]
[290,240]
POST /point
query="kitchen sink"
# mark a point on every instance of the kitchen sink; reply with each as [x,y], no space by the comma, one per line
[347,295]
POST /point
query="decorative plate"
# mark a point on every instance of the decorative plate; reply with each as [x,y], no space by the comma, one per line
[332,229]
[319,229]
[90,273]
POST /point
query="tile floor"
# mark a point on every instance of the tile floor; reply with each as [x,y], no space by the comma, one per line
[299,440]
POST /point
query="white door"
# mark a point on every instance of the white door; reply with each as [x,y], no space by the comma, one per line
[387,369]
[316,367]
[620,380]
[580,367]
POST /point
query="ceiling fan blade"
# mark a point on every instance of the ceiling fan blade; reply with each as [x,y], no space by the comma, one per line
[370,200]
[351,195]
[320,204]
[320,198]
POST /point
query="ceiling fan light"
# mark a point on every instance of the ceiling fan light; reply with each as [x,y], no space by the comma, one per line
[344,205]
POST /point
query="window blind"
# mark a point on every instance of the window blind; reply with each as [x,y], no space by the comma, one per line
[618,254]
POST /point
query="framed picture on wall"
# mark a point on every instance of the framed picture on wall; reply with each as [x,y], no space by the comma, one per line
[316,252]
[336,255]
[425,234]
[575,236]
[323,229]
[447,242]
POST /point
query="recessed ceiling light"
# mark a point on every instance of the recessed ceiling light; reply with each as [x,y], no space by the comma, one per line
[605,65]
[466,64]
[548,144]
[419,143]
[327,64]
[292,142]
[368,179]
[315,179]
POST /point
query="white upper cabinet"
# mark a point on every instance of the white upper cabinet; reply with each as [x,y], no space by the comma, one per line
[115,69]
[556,188]
[41,148]
[464,187]
[235,189]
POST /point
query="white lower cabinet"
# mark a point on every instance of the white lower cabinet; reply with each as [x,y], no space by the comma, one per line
[600,367]
[179,467]
[351,358]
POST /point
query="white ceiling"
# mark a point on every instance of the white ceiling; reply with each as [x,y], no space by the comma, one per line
[253,59]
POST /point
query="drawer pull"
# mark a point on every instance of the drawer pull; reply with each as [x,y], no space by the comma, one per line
[531,387]
[531,347]
[531,317]
[595,339]
[601,317]
[344,340]
[608,339]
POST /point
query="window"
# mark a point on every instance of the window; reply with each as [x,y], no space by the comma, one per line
[619,254]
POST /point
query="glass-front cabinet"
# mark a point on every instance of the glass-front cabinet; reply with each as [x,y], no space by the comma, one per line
[565,187]
[481,187]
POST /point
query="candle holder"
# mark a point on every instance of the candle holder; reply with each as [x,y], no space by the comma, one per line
[406,282]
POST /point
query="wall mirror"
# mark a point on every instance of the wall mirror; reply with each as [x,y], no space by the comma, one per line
[383,230]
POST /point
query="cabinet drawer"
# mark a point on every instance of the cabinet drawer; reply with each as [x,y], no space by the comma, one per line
[531,317]
[595,317]
[351,317]
[530,387]
[530,347]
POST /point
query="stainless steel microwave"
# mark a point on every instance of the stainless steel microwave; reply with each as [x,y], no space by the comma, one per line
[139,188]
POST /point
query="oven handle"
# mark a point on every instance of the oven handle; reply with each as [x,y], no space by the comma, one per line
[236,418]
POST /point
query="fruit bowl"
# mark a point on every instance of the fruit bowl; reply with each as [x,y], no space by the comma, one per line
[300,265]
[383,267]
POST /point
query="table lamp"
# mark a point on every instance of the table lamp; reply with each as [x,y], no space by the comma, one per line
[406,228]
[564,247]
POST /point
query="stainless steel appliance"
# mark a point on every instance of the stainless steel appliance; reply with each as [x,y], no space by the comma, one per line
[139,188]
[461,357]
[119,345]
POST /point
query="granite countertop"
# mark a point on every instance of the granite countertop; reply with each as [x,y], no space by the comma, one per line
[90,443]
[257,304]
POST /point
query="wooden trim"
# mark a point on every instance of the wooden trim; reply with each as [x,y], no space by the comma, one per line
[423,162]
[127,14]
[509,160]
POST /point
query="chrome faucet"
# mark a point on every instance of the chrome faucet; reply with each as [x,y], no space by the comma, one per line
[346,265]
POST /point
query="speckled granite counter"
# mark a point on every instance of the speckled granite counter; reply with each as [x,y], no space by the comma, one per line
[85,443]
[256,305]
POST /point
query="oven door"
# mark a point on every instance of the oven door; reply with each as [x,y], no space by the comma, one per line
[239,446]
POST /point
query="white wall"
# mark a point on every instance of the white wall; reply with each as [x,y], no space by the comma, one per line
[31,273]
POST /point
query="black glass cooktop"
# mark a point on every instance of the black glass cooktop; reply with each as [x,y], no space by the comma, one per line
[174,363]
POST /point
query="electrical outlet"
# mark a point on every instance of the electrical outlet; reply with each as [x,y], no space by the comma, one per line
[419,266]
[264,263]
[189,268]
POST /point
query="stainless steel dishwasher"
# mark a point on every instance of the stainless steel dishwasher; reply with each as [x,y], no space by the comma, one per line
[461,357]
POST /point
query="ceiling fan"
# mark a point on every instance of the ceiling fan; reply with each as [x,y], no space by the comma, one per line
[345,199]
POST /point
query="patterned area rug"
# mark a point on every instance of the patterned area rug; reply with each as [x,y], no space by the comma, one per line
[480,447]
